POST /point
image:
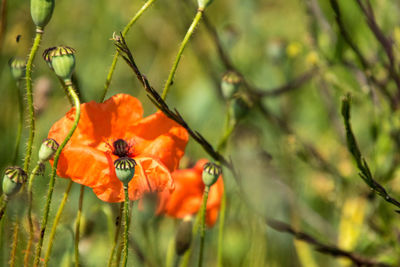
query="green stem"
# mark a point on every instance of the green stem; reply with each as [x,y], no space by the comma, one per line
[78,225]
[189,33]
[29,96]
[29,215]
[54,169]
[203,224]
[14,243]
[20,123]
[116,236]
[170,253]
[64,86]
[126,227]
[3,207]
[221,229]
[124,32]
[55,223]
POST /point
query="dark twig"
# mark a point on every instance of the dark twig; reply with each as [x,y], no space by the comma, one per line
[362,165]
[381,38]
[321,247]
[255,92]
[162,105]
[363,61]
[292,85]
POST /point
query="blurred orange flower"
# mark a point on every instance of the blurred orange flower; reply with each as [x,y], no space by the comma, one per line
[155,142]
[187,197]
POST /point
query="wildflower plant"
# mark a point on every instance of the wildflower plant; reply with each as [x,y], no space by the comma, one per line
[187,133]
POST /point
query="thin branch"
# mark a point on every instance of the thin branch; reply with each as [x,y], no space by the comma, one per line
[362,164]
[381,38]
[363,61]
[321,247]
[292,85]
[162,105]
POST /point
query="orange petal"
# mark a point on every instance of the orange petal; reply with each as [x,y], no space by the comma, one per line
[99,121]
[187,197]
[160,137]
[150,176]
[85,165]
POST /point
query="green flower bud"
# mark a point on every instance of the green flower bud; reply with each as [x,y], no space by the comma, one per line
[238,108]
[203,3]
[61,60]
[125,169]
[183,237]
[47,149]
[41,11]
[230,84]
[18,67]
[13,179]
[211,172]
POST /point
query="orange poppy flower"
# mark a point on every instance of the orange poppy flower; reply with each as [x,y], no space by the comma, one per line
[187,197]
[155,142]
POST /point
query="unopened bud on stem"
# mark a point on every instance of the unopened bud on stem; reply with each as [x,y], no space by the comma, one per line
[61,60]
[47,149]
[13,179]
[125,169]
[183,237]
[41,11]
[211,172]
[230,84]
[18,68]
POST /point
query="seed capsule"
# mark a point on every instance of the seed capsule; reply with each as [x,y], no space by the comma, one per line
[18,67]
[203,3]
[13,179]
[41,11]
[61,60]
[211,172]
[125,169]
[47,149]
[230,84]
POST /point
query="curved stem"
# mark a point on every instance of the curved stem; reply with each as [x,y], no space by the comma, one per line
[126,227]
[20,123]
[14,243]
[116,236]
[29,215]
[78,225]
[189,33]
[55,223]
[54,169]
[203,225]
[124,32]
[29,96]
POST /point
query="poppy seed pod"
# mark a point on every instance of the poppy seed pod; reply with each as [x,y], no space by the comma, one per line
[47,149]
[13,179]
[18,68]
[41,11]
[61,60]
[203,3]
[211,172]
[230,84]
[183,237]
[125,169]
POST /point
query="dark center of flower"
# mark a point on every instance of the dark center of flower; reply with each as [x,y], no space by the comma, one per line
[121,148]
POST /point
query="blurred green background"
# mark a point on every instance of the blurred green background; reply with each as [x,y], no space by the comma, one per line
[304,176]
